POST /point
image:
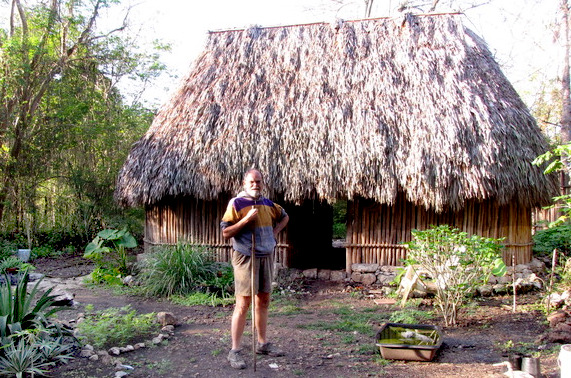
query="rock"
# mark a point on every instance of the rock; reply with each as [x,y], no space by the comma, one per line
[128,280]
[120,374]
[324,274]
[563,327]
[385,279]
[338,275]
[493,280]
[86,353]
[158,339]
[365,268]
[169,329]
[536,265]
[368,279]
[505,279]
[35,276]
[166,318]
[63,299]
[310,273]
[114,351]
[500,289]
[554,300]
[88,347]
[356,277]
[139,346]
[94,357]
[485,290]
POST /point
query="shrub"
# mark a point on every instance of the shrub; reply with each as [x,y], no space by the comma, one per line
[109,250]
[115,326]
[7,248]
[14,263]
[183,269]
[457,262]
[559,236]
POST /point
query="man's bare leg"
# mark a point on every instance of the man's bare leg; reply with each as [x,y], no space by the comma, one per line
[239,320]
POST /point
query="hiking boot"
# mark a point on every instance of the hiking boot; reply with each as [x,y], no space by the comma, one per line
[236,360]
[270,350]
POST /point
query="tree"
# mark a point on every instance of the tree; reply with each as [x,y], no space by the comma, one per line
[64,127]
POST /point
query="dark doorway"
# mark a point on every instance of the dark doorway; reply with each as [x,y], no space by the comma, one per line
[310,231]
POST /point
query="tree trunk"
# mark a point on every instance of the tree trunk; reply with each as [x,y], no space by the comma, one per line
[565,79]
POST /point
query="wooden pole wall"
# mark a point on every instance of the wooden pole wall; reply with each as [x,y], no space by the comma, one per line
[375,233]
[194,221]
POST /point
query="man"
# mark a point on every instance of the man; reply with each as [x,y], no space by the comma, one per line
[246,213]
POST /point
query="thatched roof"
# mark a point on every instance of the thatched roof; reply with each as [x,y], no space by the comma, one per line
[362,108]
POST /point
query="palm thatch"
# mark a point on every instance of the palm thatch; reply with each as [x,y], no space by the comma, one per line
[363,108]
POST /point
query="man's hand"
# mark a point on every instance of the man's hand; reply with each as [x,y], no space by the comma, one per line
[252,215]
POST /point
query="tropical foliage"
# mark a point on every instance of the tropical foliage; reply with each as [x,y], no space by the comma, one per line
[65,128]
[457,262]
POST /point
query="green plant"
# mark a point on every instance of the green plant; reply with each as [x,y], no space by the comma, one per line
[109,249]
[109,276]
[410,316]
[114,326]
[198,298]
[183,269]
[43,251]
[456,261]
[11,263]
[22,359]
[7,248]
[19,310]
[340,219]
[558,236]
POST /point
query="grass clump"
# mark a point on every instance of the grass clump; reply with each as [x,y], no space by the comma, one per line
[115,326]
[185,269]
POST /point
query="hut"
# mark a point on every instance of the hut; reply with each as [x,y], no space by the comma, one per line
[409,119]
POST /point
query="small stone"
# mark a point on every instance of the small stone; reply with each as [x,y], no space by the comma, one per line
[166,318]
[338,275]
[158,339]
[120,374]
[356,277]
[139,345]
[94,357]
[114,351]
[310,273]
[485,290]
[324,274]
[88,347]
[368,279]
[169,328]
[365,268]
[128,280]
[86,353]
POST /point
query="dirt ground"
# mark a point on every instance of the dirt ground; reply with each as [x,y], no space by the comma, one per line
[201,341]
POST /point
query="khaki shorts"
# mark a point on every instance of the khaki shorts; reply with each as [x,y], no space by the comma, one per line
[263,273]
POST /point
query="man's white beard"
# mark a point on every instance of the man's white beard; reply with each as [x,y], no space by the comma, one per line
[253,193]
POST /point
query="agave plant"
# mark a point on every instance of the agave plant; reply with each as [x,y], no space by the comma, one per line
[21,359]
[19,310]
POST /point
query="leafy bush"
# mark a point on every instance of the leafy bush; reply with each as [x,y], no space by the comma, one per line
[559,236]
[115,326]
[109,250]
[14,263]
[340,219]
[7,248]
[457,262]
[183,269]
